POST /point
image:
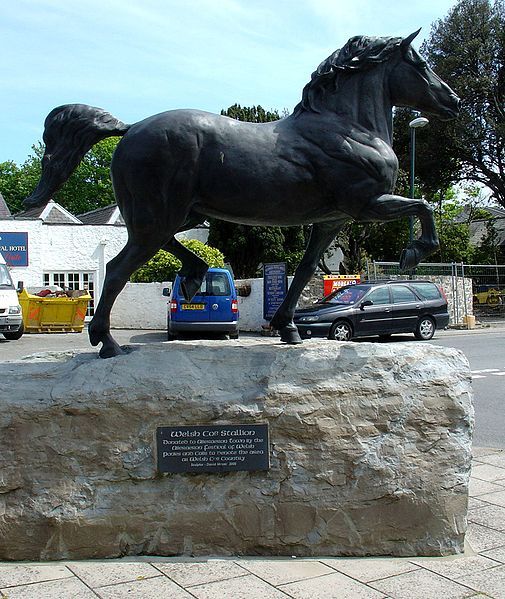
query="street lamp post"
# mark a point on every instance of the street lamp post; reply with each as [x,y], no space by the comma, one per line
[414,124]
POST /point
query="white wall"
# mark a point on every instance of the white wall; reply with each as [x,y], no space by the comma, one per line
[140,306]
[69,248]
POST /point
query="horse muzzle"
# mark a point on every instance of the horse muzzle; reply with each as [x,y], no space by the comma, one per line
[451,110]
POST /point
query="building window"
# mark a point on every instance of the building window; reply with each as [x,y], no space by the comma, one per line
[74,281]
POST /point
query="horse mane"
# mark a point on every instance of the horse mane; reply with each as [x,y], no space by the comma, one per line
[360,53]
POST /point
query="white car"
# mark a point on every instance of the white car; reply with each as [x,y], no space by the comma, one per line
[11,317]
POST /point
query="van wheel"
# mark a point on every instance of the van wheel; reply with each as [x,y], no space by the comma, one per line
[425,328]
[14,335]
[341,331]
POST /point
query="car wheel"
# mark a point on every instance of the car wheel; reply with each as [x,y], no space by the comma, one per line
[493,300]
[341,331]
[425,328]
[15,335]
[234,335]
[171,336]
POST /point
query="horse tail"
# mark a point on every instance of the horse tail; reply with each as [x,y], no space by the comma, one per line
[69,132]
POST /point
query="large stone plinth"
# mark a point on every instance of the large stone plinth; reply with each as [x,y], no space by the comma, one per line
[370,451]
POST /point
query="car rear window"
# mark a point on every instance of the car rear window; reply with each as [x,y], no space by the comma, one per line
[427,291]
[402,294]
[215,283]
[218,284]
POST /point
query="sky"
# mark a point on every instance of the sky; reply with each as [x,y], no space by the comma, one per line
[136,58]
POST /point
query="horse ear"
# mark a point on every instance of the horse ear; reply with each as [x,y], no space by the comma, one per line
[405,43]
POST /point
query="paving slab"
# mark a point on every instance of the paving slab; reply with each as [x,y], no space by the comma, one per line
[277,571]
[331,586]
[64,588]
[478,487]
[488,472]
[457,567]
[496,498]
[200,572]
[495,459]
[475,503]
[496,554]
[481,538]
[245,587]
[492,516]
[481,452]
[149,588]
[16,574]
[366,570]
[98,573]
[421,584]
[490,582]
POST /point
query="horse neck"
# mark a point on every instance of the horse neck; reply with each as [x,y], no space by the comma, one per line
[364,98]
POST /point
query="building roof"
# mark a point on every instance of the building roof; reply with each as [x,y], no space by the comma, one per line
[479,230]
[52,214]
[107,215]
[4,209]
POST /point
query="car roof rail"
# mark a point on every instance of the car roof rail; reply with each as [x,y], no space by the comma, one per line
[393,281]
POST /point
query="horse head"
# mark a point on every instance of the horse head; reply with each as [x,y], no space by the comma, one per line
[387,63]
[413,83]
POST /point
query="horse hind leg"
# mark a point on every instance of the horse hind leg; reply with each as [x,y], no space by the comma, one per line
[193,269]
[119,270]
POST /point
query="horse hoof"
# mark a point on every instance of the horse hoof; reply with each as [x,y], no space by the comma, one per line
[408,259]
[291,336]
[110,350]
[190,285]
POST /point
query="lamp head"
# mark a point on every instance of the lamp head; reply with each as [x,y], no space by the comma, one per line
[421,121]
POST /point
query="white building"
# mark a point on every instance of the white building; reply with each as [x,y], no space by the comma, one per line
[50,246]
[62,249]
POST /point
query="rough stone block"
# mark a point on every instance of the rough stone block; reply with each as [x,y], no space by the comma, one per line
[370,450]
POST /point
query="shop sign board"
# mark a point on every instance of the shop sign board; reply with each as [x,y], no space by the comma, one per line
[275,287]
[14,248]
[334,282]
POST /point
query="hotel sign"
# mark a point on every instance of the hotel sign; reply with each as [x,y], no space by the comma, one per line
[14,248]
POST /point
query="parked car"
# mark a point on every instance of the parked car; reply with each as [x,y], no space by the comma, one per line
[213,309]
[376,308]
[11,318]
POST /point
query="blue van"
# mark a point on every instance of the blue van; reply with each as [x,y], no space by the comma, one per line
[213,309]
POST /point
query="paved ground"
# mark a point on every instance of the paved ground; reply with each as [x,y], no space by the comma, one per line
[478,573]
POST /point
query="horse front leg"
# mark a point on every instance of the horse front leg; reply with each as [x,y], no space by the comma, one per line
[390,207]
[119,269]
[321,236]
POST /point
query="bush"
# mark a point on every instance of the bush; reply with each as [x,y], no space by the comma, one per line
[164,266]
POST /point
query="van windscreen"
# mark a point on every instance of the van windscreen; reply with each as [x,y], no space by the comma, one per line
[5,278]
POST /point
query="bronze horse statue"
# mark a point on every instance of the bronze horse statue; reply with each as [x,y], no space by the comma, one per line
[327,163]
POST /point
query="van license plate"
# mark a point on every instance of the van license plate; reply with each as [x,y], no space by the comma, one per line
[192,306]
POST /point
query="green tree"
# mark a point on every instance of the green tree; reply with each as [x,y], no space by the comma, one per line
[164,266]
[89,187]
[247,247]
[467,50]
[17,182]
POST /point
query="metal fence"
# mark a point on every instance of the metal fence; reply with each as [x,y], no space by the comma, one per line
[487,290]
